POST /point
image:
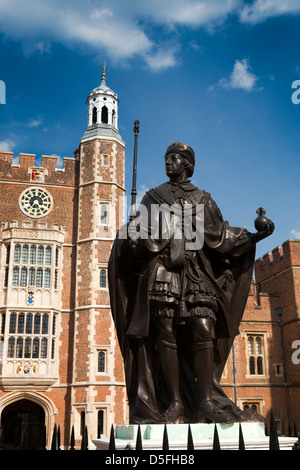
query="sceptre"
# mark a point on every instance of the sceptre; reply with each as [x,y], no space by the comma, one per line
[132,214]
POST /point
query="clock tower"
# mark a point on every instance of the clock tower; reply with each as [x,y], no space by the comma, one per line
[59,356]
[98,371]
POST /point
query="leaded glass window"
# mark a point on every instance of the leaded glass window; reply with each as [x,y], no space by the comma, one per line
[103,278]
[101,361]
[40,257]
[256,354]
[17,254]
[30,335]
[38,274]
[16,276]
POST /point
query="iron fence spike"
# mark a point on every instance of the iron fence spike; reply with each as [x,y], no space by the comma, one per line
[54,445]
[58,438]
[84,440]
[190,443]
[165,439]
[216,442]
[241,438]
[72,440]
[112,445]
[138,445]
[273,441]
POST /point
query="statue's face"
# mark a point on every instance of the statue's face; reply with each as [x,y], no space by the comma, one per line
[174,165]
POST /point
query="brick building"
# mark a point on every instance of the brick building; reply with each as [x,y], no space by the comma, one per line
[59,358]
[60,361]
[263,369]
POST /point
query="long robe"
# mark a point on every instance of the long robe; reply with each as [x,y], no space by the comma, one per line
[225,250]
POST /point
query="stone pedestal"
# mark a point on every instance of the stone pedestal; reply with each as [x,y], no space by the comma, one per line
[152,437]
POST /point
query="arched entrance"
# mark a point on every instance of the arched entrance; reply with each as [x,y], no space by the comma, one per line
[22,425]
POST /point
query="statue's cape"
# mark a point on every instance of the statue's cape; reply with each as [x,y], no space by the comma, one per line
[226,250]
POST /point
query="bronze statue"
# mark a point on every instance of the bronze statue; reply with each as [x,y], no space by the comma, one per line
[177,306]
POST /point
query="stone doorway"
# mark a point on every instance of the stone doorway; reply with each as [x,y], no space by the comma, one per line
[22,425]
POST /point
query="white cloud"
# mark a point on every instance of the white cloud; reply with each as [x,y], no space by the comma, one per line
[35,122]
[160,60]
[194,45]
[41,47]
[7,145]
[189,12]
[60,160]
[241,77]
[261,10]
[119,29]
[295,233]
[84,23]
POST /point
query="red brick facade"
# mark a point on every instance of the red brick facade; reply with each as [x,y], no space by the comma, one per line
[75,390]
[59,357]
[272,317]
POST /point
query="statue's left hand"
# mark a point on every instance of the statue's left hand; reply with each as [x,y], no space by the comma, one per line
[270,226]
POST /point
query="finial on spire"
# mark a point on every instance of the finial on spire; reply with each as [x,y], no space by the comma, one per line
[103,79]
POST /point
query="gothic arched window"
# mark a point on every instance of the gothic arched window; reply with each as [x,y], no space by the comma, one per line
[94,116]
[104,115]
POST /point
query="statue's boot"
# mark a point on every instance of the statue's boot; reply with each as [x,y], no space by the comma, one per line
[170,371]
[208,412]
[203,368]
[174,414]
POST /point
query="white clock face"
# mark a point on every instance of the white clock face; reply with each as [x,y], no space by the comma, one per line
[35,202]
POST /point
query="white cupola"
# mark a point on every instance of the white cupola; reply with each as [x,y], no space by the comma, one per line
[102,105]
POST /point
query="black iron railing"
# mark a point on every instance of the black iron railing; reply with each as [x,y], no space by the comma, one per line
[271,432]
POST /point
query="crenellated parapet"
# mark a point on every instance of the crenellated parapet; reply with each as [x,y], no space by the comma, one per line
[281,258]
[50,169]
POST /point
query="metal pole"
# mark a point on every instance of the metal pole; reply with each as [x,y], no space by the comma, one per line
[136,130]
[234,374]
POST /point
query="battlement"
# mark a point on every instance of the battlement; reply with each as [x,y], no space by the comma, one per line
[281,258]
[50,169]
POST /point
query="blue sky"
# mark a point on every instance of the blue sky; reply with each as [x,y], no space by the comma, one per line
[214,74]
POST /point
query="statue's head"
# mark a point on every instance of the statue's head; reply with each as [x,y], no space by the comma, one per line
[187,154]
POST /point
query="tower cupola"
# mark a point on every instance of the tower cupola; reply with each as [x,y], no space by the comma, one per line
[102,105]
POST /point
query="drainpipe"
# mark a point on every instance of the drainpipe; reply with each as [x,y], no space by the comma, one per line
[278,312]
